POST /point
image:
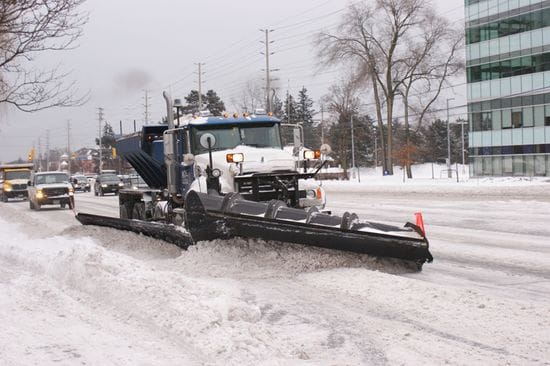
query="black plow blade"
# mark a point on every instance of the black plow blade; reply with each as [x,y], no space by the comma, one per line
[211,217]
[170,233]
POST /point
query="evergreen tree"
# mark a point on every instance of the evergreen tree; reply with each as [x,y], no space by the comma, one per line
[192,100]
[304,107]
[213,103]
[277,107]
[290,114]
[305,111]
[434,147]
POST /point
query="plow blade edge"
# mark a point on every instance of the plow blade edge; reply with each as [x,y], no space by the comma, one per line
[211,217]
[166,232]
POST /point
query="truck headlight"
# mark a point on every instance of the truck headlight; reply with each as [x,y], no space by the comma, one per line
[104,185]
[7,187]
[312,154]
[310,193]
[39,194]
[234,158]
[71,191]
[121,184]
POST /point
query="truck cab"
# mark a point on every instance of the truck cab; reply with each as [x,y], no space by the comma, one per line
[13,180]
[221,154]
[245,154]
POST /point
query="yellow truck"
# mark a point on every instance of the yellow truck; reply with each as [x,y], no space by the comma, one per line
[13,180]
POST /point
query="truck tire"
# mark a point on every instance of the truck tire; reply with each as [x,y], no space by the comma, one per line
[125,210]
[138,212]
[31,205]
[4,198]
[101,193]
[71,203]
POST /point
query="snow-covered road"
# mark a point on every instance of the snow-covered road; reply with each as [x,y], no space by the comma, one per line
[85,295]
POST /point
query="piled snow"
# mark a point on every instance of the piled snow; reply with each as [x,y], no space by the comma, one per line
[71,294]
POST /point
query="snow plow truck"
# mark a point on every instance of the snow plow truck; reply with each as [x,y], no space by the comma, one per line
[220,177]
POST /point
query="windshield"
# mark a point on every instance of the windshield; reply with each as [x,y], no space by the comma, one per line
[231,136]
[109,178]
[51,178]
[17,174]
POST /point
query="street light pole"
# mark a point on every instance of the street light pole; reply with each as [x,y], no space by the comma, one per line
[449,173]
[353,149]
[462,140]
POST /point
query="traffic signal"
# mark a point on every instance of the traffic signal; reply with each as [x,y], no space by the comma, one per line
[29,157]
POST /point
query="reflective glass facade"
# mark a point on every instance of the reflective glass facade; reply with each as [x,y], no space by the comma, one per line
[508,75]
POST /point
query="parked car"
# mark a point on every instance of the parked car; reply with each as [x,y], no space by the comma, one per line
[107,183]
[80,183]
[50,188]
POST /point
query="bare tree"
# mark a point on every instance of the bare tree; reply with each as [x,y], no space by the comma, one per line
[251,96]
[375,39]
[29,28]
[343,102]
[434,58]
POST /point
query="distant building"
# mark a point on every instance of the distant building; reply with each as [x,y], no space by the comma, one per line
[508,76]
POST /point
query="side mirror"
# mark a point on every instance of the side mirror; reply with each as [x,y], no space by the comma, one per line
[29,183]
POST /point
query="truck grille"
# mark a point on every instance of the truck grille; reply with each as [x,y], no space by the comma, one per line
[19,187]
[55,191]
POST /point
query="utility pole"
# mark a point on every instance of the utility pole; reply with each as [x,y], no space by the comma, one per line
[146,105]
[199,64]
[39,154]
[47,149]
[100,118]
[449,173]
[267,70]
[69,145]
[322,125]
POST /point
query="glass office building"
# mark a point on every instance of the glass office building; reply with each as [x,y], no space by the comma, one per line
[508,83]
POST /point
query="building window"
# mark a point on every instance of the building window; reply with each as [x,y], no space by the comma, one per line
[476,121]
[539,115]
[506,118]
[547,115]
[486,122]
[517,118]
[505,27]
[528,116]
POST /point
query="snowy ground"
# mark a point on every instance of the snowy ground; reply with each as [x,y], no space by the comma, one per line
[72,295]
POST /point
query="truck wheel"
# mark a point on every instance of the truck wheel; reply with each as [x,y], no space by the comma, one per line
[95,192]
[4,198]
[37,206]
[31,205]
[101,193]
[125,210]
[138,212]
[63,205]
[71,203]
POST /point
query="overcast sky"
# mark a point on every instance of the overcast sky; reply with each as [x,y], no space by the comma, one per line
[130,46]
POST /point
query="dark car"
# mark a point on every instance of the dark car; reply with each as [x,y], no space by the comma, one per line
[107,183]
[50,188]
